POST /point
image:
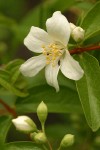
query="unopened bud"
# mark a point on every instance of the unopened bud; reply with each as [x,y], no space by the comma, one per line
[39,138]
[78,34]
[24,124]
[42,112]
[72,27]
[67,140]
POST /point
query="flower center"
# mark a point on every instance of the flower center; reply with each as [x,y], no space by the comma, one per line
[52,53]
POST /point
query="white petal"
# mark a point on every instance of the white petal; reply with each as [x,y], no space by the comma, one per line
[21,124]
[36,39]
[23,127]
[58,27]
[51,74]
[71,68]
[33,65]
[72,26]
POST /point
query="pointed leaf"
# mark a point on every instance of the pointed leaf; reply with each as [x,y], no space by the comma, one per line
[13,68]
[11,88]
[91,23]
[64,101]
[89,90]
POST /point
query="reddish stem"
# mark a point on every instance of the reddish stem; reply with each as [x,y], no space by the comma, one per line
[8,108]
[83,49]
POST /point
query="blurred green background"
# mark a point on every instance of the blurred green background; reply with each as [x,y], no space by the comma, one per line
[16,18]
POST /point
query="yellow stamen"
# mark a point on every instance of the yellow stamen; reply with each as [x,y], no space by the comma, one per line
[51,52]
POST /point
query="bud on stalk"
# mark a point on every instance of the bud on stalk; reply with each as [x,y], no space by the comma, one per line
[67,140]
[24,124]
[77,33]
[39,138]
[42,112]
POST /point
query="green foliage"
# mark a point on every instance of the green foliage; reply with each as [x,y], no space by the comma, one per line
[5,122]
[9,75]
[57,102]
[24,94]
[22,145]
[89,90]
[90,22]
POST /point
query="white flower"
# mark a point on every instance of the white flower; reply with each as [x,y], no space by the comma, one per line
[53,48]
[24,124]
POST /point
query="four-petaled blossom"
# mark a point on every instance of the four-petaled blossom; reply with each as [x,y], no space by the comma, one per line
[54,52]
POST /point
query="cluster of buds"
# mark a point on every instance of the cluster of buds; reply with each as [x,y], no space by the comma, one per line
[77,33]
[26,124]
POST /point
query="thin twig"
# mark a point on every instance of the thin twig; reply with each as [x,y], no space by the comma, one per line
[8,108]
[83,49]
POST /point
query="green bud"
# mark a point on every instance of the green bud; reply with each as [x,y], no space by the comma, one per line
[32,135]
[42,112]
[67,140]
[39,138]
[24,124]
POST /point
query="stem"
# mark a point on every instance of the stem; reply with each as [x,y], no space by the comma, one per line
[83,49]
[8,108]
[49,144]
[43,129]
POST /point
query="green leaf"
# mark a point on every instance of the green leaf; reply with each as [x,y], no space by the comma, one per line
[64,101]
[89,90]
[92,40]
[9,76]
[13,68]
[5,122]
[13,64]
[91,23]
[4,74]
[39,80]
[11,88]
[22,146]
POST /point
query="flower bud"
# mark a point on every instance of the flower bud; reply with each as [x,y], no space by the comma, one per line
[67,140]
[72,27]
[78,34]
[42,112]
[39,138]
[24,124]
